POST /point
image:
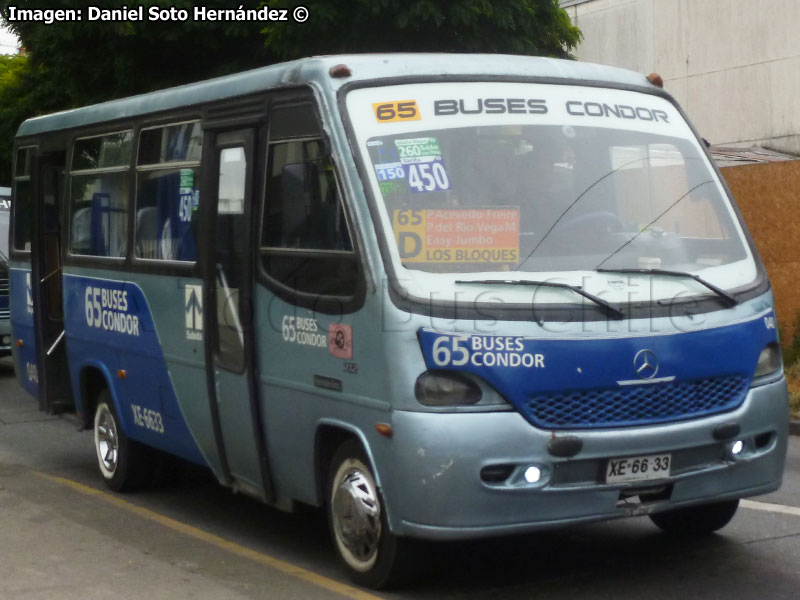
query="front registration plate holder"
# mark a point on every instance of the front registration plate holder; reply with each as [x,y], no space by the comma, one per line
[638,468]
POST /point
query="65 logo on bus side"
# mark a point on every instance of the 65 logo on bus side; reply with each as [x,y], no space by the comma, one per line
[401,110]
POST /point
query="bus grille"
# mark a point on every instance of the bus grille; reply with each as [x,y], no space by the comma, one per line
[637,404]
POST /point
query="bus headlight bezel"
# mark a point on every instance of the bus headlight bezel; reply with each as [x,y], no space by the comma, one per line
[445,388]
[769,361]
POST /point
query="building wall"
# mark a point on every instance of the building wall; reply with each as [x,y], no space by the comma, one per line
[734,65]
[766,195]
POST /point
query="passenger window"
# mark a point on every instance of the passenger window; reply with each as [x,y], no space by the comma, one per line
[305,241]
[99,183]
[23,207]
[167,192]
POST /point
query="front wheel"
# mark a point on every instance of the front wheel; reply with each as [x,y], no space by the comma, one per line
[372,554]
[696,520]
[124,463]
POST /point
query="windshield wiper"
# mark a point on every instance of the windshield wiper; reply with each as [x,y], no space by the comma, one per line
[614,312]
[729,299]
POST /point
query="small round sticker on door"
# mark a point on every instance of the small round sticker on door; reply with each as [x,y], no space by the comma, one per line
[340,340]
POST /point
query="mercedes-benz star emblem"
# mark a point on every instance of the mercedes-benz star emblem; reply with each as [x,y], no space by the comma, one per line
[646,364]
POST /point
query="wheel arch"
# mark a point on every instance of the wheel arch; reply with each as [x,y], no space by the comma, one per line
[94,377]
[329,435]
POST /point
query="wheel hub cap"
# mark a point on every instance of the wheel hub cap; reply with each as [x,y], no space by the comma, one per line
[357,516]
[107,442]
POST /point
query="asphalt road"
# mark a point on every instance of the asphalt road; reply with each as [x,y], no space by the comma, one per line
[63,535]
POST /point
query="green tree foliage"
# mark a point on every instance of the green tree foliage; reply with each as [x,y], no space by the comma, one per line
[534,27]
[25,90]
[93,61]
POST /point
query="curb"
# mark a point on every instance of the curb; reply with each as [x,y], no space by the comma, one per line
[794,427]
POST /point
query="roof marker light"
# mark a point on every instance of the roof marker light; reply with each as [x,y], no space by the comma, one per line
[655,79]
[339,70]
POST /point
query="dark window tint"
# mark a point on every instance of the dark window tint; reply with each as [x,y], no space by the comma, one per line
[167,205]
[303,208]
[98,217]
[23,166]
[174,143]
[294,122]
[23,208]
[113,150]
[167,194]
[99,195]
[305,242]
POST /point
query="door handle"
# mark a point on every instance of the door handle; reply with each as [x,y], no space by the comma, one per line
[55,344]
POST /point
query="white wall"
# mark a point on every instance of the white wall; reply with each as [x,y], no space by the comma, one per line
[734,65]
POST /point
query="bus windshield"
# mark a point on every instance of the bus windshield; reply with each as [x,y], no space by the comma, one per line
[514,181]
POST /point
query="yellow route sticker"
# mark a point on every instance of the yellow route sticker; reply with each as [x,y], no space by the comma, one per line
[400,110]
[479,235]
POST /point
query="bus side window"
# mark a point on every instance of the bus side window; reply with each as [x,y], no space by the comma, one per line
[305,240]
[167,192]
[99,195]
[23,207]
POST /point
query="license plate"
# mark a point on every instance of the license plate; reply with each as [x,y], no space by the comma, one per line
[638,468]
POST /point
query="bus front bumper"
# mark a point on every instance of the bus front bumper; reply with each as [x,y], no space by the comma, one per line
[436,491]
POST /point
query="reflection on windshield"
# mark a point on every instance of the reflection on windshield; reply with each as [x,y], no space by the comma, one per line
[551,198]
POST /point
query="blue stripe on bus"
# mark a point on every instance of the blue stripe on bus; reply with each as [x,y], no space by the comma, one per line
[23,330]
[615,381]
[109,326]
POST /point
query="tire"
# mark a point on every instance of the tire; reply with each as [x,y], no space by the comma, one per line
[696,520]
[373,555]
[123,463]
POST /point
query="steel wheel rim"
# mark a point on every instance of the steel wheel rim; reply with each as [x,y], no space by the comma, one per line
[106,441]
[356,515]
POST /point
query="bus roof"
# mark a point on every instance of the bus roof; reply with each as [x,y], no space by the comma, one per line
[363,67]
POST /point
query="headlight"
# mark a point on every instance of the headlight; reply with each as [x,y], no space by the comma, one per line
[769,360]
[439,388]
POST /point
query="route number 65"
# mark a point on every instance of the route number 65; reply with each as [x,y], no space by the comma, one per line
[405,110]
[450,351]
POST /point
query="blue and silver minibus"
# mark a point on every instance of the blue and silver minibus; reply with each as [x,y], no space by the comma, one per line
[441,296]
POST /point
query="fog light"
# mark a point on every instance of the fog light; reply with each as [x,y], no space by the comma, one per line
[6,340]
[533,474]
[737,447]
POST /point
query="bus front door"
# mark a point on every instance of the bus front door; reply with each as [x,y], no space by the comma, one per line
[228,288]
[55,394]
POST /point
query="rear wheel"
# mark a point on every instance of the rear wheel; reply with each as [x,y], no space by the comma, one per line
[696,520]
[372,554]
[124,463]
